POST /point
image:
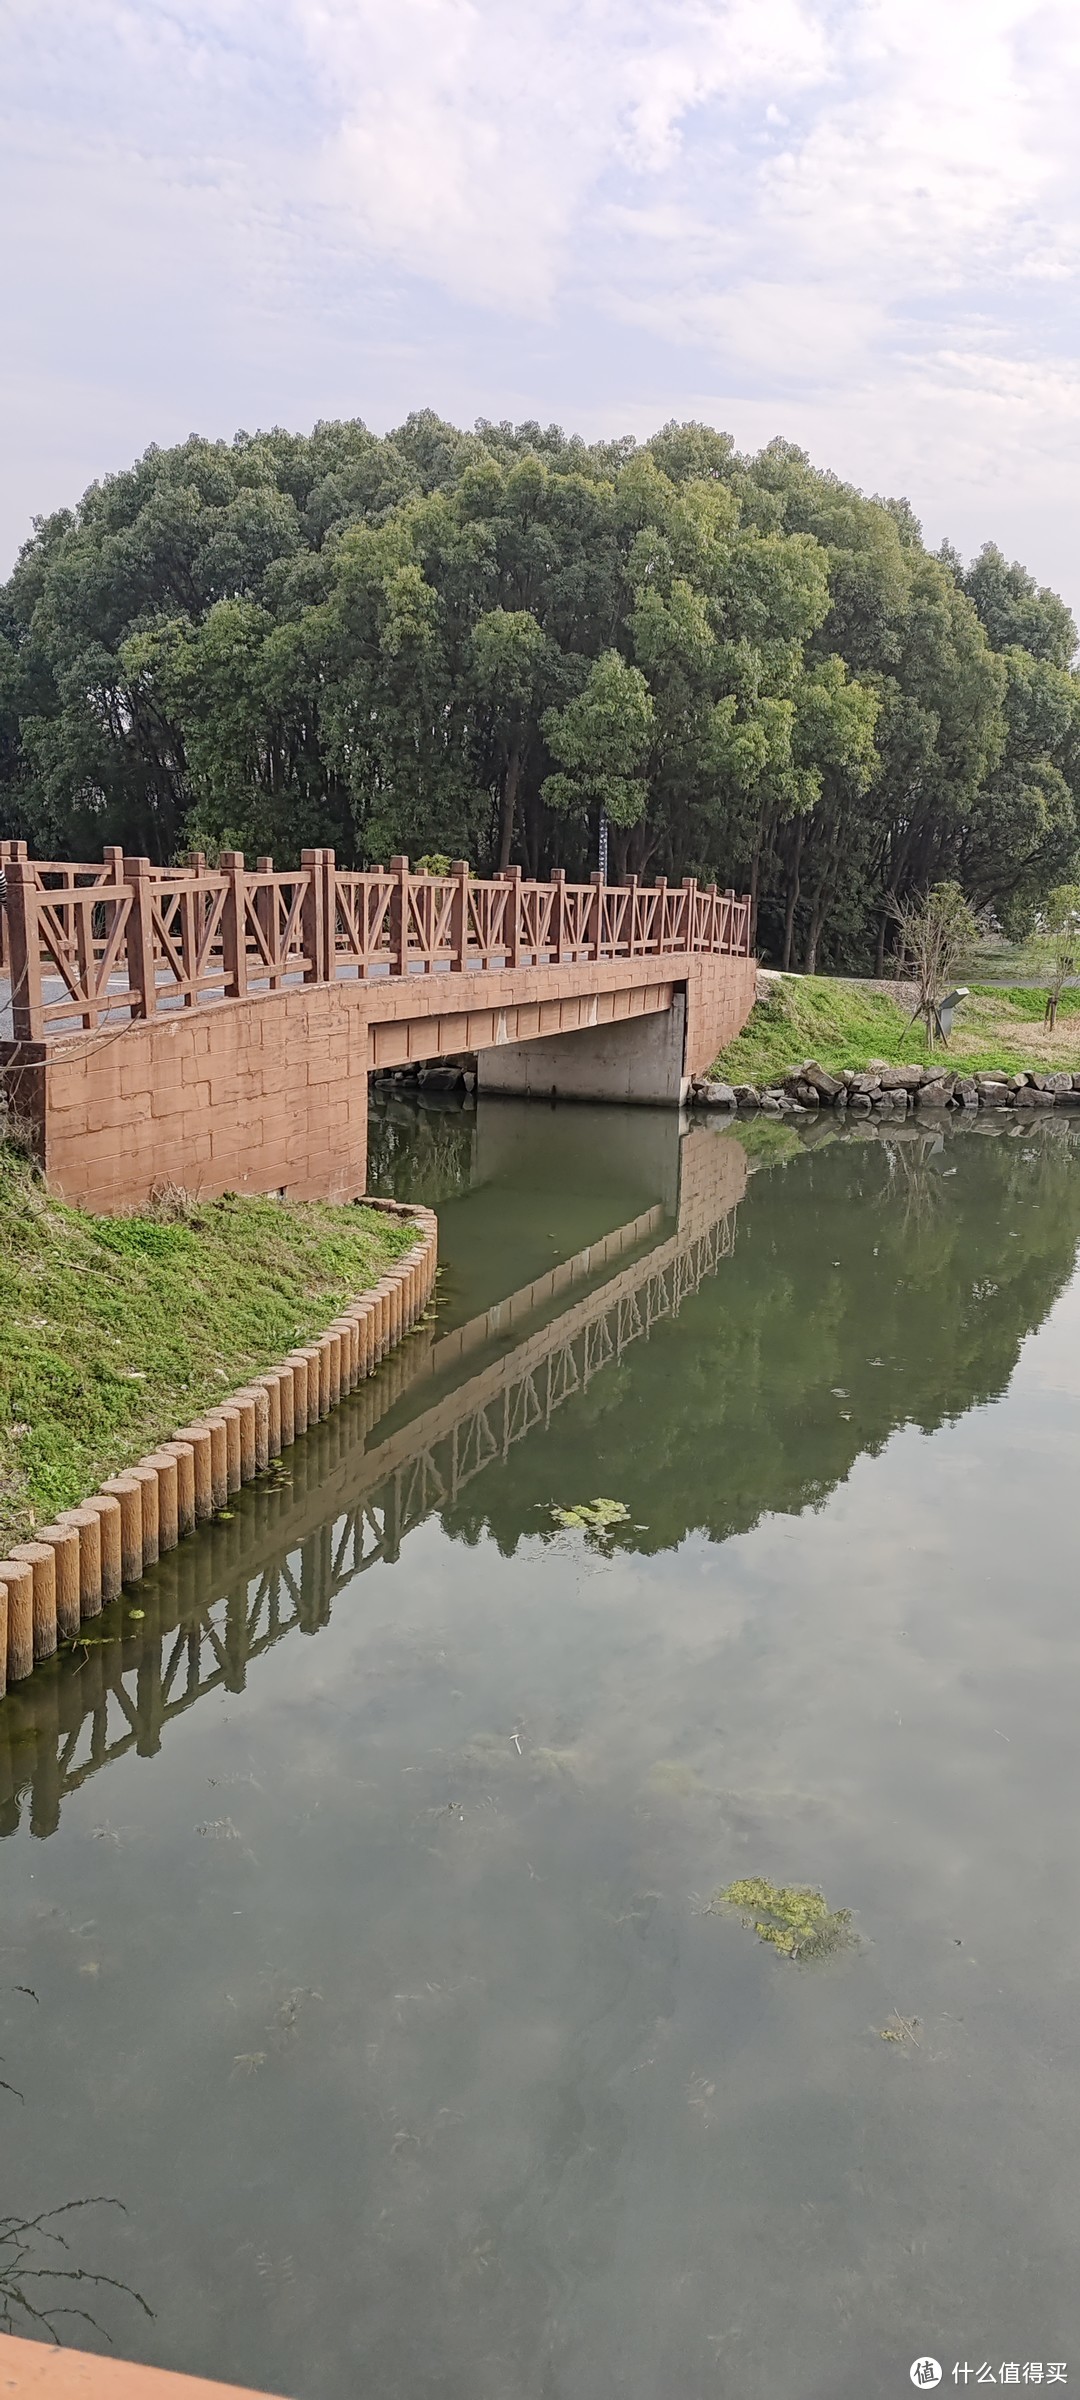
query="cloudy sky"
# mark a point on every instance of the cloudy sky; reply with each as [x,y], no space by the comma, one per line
[853,222]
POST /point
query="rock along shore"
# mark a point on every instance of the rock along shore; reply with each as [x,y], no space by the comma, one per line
[880,1090]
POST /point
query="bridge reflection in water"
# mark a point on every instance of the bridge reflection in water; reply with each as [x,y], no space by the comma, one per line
[446,1407]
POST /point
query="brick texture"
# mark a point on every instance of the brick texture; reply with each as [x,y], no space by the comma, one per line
[270,1093]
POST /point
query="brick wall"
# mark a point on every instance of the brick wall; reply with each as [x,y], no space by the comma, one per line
[270,1093]
[255,1096]
[719,997]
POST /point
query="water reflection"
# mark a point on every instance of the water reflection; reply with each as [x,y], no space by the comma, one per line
[885,1279]
[383,1986]
[443,1410]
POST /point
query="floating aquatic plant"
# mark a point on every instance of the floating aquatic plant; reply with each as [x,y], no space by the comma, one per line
[598,1517]
[795,1918]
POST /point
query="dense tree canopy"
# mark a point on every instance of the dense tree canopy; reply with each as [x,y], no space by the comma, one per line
[475,643]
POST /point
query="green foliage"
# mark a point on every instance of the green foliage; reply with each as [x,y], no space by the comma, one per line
[118,1329]
[796,1920]
[602,739]
[474,645]
[1057,944]
[848,1024]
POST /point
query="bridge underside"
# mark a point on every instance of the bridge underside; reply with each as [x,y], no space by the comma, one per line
[270,1093]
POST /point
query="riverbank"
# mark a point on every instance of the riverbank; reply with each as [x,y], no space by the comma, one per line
[118,1329]
[850,1025]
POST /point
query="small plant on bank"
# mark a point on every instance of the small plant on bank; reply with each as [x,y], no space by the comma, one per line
[936,934]
[1057,946]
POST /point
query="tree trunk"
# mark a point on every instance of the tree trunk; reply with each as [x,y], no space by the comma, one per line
[792,899]
[509,807]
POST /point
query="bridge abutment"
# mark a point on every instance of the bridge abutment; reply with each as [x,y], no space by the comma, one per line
[642,1060]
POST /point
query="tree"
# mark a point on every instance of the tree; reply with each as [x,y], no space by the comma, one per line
[513,666]
[602,740]
[1058,944]
[936,934]
[472,643]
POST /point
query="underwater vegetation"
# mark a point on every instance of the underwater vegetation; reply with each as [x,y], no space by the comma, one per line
[795,1918]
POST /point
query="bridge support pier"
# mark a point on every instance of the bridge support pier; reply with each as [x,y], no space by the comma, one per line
[642,1060]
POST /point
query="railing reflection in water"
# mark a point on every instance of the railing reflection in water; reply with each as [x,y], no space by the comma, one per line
[348,1494]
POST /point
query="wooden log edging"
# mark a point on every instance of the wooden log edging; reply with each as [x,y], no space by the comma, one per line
[72,1568]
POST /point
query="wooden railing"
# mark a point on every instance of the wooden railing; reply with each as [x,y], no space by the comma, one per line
[88,946]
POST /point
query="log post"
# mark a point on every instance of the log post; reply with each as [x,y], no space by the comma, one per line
[17,1575]
[41,1559]
[63,1541]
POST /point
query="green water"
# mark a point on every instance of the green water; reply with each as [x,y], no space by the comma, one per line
[361,1888]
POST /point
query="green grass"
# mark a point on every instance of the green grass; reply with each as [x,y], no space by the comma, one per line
[118,1329]
[847,1024]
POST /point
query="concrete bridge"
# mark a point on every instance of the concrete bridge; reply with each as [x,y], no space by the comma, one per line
[408,1443]
[216,1028]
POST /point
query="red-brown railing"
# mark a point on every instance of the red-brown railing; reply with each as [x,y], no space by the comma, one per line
[87,946]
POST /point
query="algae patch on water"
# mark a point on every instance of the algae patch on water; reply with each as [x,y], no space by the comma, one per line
[795,1918]
[591,1516]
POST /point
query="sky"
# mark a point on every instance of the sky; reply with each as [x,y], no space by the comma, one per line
[855,223]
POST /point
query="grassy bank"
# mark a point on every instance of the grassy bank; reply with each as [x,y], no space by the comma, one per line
[847,1025]
[115,1330]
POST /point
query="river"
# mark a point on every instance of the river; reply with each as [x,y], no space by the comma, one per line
[358,1933]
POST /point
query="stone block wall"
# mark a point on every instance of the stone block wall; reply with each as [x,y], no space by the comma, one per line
[270,1093]
[261,1095]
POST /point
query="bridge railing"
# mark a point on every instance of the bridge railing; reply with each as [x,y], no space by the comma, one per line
[102,943]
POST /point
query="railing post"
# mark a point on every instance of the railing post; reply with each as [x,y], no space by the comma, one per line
[398,922]
[689,929]
[598,880]
[233,929]
[329,879]
[558,915]
[142,979]
[661,911]
[730,898]
[9,852]
[24,951]
[512,919]
[266,915]
[632,909]
[313,917]
[459,916]
[113,857]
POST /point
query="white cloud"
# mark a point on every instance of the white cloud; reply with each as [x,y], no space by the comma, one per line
[473,134]
[856,216]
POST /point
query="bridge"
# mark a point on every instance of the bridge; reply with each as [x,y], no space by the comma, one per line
[441,1409]
[216,1027]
